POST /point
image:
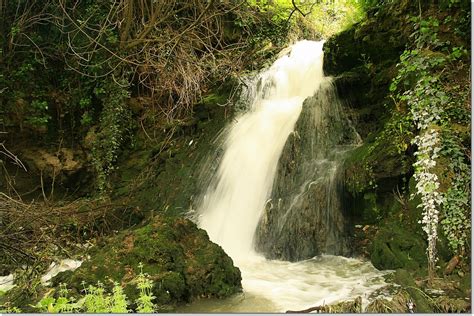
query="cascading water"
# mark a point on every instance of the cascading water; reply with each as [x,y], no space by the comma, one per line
[305,215]
[232,206]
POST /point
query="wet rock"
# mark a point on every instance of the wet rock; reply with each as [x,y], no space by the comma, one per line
[306,216]
[362,59]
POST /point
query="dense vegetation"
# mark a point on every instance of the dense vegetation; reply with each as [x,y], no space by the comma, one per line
[410,181]
[84,82]
[103,102]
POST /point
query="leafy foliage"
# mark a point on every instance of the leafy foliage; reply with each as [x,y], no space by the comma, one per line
[144,301]
[422,88]
[113,125]
[96,299]
[69,68]
[456,221]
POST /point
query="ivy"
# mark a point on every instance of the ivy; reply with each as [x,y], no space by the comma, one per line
[113,125]
[431,102]
[456,222]
[427,187]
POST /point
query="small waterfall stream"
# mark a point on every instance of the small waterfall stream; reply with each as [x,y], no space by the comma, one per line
[241,188]
[305,215]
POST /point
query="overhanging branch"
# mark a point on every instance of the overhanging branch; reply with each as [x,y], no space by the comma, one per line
[297,9]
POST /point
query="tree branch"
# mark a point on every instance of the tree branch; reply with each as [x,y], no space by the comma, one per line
[296,9]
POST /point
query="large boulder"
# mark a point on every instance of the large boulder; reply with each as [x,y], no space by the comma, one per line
[179,257]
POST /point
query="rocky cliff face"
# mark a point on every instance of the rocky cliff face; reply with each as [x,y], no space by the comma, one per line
[306,214]
[379,174]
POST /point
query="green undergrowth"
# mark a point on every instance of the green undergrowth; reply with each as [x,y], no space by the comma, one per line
[423,64]
[177,258]
[96,299]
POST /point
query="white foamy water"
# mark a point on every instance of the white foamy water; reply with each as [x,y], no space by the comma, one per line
[279,286]
[318,281]
[7,282]
[233,204]
[55,268]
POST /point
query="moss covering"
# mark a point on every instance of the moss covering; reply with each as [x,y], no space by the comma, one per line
[421,300]
[178,256]
[396,247]
[149,173]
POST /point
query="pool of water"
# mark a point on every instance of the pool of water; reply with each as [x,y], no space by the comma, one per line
[278,286]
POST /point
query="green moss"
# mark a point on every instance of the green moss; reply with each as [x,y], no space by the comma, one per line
[370,210]
[396,247]
[174,284]
[404,278]
[149,174]
[400,241]
[178,256]
[357,172]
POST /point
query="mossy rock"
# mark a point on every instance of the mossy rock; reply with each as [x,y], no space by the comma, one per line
[375,163]
[380,37]
[400,242]
[179,257]
[407,281]
[148,174]
[395,246]
[359,46]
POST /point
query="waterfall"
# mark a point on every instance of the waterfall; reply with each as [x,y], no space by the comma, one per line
[233,206]
[305,215]
[251,174]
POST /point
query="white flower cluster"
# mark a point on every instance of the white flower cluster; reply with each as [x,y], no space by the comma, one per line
[427,186]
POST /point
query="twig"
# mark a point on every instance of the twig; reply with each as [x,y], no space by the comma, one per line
[10,155]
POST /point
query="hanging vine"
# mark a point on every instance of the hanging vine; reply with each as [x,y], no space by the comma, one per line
[419,84]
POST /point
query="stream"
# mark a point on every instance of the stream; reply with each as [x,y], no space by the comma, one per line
[239,190]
